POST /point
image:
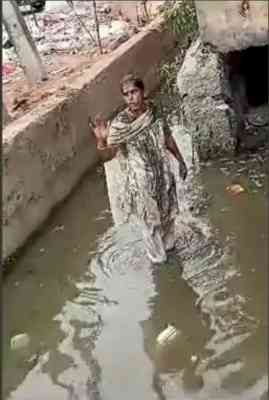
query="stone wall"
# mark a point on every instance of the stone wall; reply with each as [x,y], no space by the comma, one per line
[224,25]
[206,102]
[46,152]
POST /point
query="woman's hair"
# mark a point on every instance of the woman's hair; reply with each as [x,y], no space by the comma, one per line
[131,78]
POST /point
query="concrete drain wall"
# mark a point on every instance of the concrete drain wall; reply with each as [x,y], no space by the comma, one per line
[47,151]
[212,89]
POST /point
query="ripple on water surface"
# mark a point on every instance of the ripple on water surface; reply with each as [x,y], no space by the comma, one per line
[93,305]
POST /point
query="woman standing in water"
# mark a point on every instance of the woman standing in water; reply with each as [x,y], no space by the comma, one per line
[140,142]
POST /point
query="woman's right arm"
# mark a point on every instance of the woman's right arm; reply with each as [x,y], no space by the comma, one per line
[107,153]
[101,131]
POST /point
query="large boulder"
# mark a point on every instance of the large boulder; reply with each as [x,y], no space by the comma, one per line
[206,102]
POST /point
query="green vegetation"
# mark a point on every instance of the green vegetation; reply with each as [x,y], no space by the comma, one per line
[180,18]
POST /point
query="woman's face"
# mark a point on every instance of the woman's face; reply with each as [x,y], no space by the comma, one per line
[133,96]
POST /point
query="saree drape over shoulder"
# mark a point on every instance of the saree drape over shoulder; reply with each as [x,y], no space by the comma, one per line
[149,193]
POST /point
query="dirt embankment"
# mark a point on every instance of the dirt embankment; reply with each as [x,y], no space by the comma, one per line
[66,40]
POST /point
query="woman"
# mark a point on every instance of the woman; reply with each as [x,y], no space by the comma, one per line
[140,141]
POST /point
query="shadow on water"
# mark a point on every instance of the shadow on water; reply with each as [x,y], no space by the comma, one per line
[93,305]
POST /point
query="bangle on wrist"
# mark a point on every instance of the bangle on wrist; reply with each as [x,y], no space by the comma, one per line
[101,144]
[101,147]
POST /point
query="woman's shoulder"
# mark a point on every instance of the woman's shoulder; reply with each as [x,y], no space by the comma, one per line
[123,116]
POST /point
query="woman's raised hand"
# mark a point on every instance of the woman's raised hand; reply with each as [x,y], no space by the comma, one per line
[100,130]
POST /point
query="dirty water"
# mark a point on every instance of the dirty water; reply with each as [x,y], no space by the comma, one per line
[93,305]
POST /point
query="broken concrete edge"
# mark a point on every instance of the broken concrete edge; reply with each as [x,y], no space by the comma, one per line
[226,26]
[47,151]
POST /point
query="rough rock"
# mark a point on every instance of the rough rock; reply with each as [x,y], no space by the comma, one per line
[206,102]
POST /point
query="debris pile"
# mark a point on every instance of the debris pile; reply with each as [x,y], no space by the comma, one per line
[66,38]
[67,30]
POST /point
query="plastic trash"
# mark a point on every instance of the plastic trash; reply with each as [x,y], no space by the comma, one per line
[194,358]
[167,335]
[235,189]
[20,341]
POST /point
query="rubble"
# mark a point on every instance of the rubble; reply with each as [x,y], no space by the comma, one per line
[62,31]
[64,37]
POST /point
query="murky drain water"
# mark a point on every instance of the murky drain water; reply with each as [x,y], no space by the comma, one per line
[93,305]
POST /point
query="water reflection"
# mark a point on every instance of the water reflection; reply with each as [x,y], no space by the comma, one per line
[68,369]
[49,297]
[93,325]
[174,302]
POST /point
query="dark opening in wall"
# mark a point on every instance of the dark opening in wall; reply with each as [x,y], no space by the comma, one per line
[248,76]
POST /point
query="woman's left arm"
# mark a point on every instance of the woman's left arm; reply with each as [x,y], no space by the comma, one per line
[173,148]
